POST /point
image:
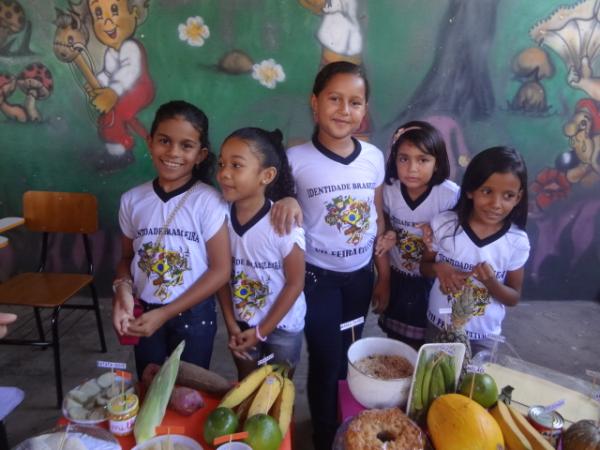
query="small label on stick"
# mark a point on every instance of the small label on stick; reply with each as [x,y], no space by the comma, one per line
[352,323]
[554,406]
[472,368]
[111,365]
[444,311]
[266,359]
[497,338]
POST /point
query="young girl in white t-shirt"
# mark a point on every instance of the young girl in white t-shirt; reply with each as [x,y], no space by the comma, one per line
[338,183]
[264,305]
[175,246]
[416,189]
[482,244]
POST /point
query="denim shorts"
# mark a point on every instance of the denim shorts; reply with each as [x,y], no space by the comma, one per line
[285,345]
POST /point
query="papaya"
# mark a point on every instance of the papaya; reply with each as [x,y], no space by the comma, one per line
[456,422]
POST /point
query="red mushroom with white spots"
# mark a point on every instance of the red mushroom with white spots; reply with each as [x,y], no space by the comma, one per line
[8,84]
[36,81]
[12,19]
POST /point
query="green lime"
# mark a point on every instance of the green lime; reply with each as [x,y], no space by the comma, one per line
[263,432]
[220,422]
[485,390]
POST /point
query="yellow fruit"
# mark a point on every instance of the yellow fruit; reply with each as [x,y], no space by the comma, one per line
[266,395]
[534,437]
[513,437]
[246,387]
[284,406]
[456,422]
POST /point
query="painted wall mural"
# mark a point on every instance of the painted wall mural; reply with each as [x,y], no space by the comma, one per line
[80,80]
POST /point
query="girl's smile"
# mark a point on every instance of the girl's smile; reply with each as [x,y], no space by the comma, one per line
[175,149]
[339,109]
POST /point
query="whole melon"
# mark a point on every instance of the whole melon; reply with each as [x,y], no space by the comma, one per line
[456,422]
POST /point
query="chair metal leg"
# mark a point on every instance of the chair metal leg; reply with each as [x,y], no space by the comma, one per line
[56,352]
[38,321]
[98,318]
[3,437]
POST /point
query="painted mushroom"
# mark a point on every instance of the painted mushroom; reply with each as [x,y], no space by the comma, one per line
[8,84]
[530,66]
[36,82]
[12,19]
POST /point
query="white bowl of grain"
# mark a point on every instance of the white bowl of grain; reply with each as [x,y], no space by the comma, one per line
[380,371]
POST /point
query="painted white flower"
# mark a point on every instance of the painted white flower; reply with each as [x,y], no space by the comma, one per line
[268,73]
[194,31]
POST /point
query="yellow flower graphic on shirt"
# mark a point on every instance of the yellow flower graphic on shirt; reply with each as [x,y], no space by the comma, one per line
[350,216]
[164,267]
[411,249]
[248,295]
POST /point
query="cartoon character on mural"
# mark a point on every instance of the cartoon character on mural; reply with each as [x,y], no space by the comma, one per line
[573,32]
[340,37]
[15,29]
[530,66]
[123,86]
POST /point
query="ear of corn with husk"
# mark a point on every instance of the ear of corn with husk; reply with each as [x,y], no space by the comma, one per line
[155,403]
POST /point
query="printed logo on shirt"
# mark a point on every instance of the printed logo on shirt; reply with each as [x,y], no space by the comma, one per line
[248,295]
[350,216]
[164,267]
[474,306]
[411,249]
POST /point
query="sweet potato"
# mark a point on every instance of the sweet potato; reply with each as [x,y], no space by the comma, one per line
[185,400]
[196,377]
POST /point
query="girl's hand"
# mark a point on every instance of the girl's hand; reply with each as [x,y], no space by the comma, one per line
[233,346]
[484,273]
[381,296]
[385,242]
[427,235]
[147,323]
[244,341]
[451,280]
[122,313]
[284,213]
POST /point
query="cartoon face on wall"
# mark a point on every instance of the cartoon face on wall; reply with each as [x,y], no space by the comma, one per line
[113,21]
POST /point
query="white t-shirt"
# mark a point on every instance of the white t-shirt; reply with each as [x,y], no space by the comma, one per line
[122,67]
[258,273]
[162,276]
[337,197]
[505,251]
[405,214]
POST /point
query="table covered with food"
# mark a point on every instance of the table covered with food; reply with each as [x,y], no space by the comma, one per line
[176,406]
[444,398]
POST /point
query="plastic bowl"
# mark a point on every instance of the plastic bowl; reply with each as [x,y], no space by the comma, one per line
[374,392]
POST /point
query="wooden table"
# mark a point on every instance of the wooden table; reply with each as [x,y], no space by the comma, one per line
[8,223]
[194,425]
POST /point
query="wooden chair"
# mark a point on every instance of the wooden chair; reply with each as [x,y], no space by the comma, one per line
[54,212]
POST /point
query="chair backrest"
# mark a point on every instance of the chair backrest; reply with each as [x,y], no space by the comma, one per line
[60,212]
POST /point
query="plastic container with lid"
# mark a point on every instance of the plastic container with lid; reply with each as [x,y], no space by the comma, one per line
[122,412]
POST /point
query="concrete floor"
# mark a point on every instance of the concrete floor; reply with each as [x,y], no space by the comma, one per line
[564,336]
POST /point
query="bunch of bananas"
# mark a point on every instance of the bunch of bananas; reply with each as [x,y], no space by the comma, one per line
[435,376]
[267,390]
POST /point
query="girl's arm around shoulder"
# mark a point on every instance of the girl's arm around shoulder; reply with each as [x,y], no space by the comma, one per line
[217,274]
[286,213]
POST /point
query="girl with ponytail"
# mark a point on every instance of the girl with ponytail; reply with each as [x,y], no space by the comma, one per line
[263,305]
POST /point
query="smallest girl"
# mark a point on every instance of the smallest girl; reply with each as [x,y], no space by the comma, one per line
[416,189]
[482,244]
[264,306]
